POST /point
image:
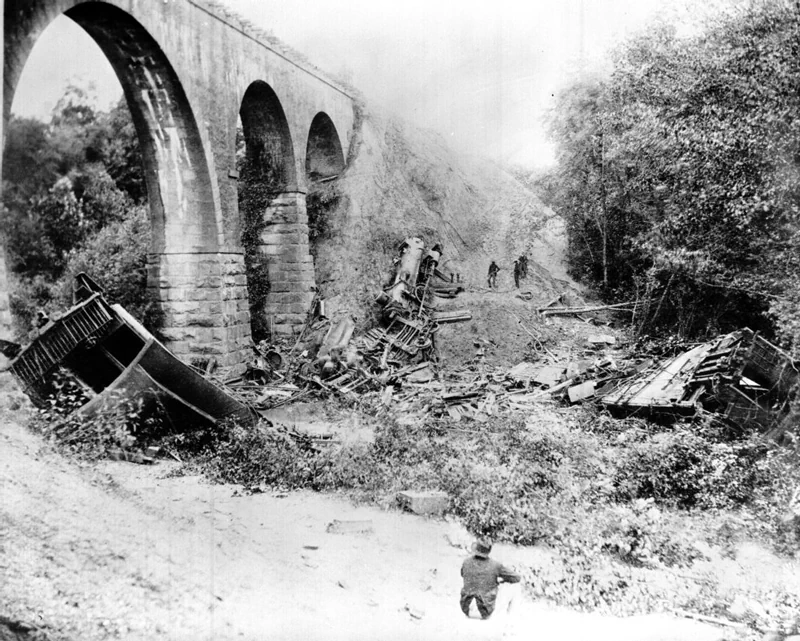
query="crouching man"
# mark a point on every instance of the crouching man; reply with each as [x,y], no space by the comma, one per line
[481,577]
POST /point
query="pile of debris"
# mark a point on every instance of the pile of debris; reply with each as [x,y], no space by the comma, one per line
[401,346]
[740,377]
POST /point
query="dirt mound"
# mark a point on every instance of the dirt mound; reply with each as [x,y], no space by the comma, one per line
[402,181]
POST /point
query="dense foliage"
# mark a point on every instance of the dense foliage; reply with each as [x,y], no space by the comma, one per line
[75,201]
[678,174]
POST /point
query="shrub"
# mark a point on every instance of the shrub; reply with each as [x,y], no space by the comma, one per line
[120,422]
[686,470]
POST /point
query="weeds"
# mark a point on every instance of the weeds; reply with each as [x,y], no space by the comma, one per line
[120,422]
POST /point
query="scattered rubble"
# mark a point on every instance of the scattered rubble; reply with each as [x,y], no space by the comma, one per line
[740,377]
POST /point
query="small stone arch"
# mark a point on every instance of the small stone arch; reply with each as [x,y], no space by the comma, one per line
[271,211]
[324,157]
[269,153]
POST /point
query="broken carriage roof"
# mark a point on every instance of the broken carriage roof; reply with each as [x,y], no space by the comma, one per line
[743,376]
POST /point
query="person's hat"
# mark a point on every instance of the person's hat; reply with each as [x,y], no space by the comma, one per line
[481,549]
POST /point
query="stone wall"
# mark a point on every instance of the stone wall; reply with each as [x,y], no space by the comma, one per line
[284,240]
[203,305]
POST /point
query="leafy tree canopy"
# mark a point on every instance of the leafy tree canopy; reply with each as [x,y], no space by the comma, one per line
[71,187]
[678,173]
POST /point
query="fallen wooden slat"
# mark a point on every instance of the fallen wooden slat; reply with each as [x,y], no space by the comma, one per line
[582,310]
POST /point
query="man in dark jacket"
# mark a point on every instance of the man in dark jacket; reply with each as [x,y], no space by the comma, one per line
[493,269]
[481,578]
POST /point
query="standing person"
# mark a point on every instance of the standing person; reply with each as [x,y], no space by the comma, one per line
[517,272]
[523,261]
[493,269]
[482,576]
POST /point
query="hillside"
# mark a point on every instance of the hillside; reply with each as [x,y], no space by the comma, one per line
[402,181]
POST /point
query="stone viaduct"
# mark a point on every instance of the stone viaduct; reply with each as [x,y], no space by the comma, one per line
[189,71]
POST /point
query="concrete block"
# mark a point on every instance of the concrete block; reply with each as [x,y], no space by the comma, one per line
[433,502]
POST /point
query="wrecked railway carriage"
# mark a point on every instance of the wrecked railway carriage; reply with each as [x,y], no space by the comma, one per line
[740,376]
[108,352]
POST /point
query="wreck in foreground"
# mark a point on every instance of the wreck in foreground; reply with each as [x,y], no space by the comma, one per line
[109,352]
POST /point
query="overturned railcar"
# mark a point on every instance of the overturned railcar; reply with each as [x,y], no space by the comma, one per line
[111,354]
[740,376]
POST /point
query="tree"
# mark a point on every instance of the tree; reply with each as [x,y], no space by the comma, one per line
[694,188]
[71,188]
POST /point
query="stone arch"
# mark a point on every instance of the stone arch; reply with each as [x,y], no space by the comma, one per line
[324,164]
[324,157]
[269,153]
[179,182]
[267,173]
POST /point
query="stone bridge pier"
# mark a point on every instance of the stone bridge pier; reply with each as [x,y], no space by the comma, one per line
[230,254]
[290,267]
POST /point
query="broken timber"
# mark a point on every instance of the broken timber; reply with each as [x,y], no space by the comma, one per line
[564,311]
[740,376]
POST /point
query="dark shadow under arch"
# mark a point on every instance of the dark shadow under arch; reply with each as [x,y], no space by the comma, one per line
[266,170]
[324,164]
[324,157]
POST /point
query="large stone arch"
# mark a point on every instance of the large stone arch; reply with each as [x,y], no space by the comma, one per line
[179,182]
[185,266]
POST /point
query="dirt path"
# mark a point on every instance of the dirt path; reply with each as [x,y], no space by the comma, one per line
[125,551]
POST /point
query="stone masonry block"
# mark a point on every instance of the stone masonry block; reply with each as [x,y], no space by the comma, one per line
[270,238]
[210,281]
[288,298]
[290,253]
[298,308]
[234,280]
[424,502]
[281,286]
[179,347]
[304,276]
[207,348]
[287,229]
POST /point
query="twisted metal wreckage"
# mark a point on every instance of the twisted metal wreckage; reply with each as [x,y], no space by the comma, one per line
[740,377]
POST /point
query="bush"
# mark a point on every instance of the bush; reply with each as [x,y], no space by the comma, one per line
[681,468]
[120,422]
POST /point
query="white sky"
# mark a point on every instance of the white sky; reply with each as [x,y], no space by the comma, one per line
[481,73]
